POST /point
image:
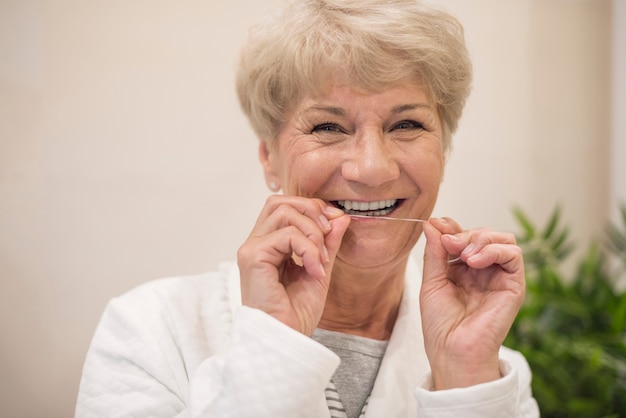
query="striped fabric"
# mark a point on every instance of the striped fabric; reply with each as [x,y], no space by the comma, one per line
[335,406]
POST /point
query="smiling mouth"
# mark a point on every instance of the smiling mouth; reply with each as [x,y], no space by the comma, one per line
[376,208]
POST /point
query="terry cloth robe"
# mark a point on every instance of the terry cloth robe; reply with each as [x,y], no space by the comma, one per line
[185,347]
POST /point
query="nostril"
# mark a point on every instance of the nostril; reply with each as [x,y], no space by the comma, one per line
[371,170]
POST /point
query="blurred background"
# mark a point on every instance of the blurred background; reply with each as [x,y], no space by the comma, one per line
[124,156]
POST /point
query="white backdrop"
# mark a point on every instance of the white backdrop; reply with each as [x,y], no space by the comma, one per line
[124,157]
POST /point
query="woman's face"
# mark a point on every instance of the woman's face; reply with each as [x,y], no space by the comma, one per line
[368,153]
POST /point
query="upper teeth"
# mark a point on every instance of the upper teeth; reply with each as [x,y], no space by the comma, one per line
[365,206]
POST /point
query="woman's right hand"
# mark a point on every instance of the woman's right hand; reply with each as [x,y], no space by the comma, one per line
[287,260]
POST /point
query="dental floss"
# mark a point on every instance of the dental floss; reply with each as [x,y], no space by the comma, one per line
[387,218]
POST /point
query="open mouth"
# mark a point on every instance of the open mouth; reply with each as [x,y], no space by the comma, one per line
[376,208]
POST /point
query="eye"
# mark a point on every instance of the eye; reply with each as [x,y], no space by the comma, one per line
[406,125]
[327,127]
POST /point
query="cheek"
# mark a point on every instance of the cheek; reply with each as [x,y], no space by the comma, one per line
[308,170]
[427,168]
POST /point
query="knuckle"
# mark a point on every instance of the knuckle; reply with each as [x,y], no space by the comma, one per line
[290,231]
[316,237]
[280,210]
[245,253]
[512,238]
[273,199]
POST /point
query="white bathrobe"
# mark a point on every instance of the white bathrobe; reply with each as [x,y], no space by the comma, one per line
[185,347]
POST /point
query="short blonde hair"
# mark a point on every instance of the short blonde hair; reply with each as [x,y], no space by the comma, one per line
[375,43]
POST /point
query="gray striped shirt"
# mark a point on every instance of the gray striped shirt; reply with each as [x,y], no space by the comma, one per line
[348,392]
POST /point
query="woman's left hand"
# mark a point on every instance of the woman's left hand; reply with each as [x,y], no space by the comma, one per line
[468,307]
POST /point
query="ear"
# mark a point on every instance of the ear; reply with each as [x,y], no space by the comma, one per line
[266,157]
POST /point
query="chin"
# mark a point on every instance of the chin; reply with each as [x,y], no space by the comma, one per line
[364,259]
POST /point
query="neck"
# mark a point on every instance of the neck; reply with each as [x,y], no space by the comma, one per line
[363,303]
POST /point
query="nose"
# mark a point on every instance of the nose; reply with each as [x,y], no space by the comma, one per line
[370,160]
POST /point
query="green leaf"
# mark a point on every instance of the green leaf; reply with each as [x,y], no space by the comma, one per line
[618,323]
[524,222]
[560,247]
[571,329]
[552,223]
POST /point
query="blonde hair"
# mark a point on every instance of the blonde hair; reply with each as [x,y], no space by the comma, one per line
[374,43]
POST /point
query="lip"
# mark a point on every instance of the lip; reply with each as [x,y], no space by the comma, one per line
[365,218]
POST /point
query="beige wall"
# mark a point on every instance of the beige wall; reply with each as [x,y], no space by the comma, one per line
[123,155]
[618,90]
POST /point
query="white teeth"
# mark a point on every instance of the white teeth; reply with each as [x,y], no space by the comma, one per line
[366,206]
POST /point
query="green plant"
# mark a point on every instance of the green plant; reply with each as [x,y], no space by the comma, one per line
[572,330]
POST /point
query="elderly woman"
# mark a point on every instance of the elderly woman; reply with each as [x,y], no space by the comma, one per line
[325,313]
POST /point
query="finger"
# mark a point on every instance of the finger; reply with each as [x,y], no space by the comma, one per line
[312,217]
[275,248]
[277,208]
[333,239]
[446,225]
[468,243]
[508,256]
[435,254]
[280,210]
[332,212]
[287,216]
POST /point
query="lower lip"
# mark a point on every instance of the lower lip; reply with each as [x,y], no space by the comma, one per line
[363,218]
[385,218]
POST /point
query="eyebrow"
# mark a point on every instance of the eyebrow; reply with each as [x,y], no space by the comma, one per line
[411,106]
[337,111]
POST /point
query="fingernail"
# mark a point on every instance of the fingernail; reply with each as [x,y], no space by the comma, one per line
[452,237]
[333,211]
[468,250]
[325,254]
[323,270]
[324,222]
[475,257]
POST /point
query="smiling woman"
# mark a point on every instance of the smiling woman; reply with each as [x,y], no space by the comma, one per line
[354,103]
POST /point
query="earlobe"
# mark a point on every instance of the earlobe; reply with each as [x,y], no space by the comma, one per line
[273,186]
[271,179]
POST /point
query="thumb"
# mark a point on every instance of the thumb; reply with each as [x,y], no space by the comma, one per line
[332,239]
[435,255]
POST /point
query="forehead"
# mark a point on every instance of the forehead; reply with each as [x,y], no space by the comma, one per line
[340,98]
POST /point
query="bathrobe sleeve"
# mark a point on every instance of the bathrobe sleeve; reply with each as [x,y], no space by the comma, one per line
[158,356]
[510,396]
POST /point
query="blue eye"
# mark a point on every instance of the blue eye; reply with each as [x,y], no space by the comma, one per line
[327,127]
[407,125]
